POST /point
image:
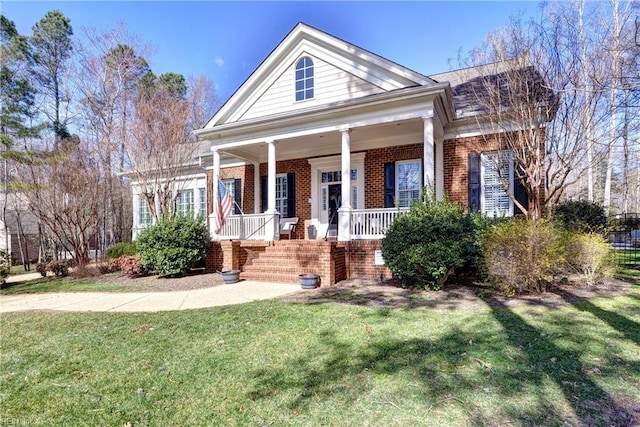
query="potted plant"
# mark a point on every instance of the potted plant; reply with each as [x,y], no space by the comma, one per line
[230,276]
[308,280]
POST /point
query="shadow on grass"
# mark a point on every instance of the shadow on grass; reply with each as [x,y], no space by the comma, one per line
[627,327]
[498,370]
[346,370]
[591,404]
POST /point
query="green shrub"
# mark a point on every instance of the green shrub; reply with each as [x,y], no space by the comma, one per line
[119,249]
[172,246]
[581,216]
[589,255]
[424,246]
[523,256]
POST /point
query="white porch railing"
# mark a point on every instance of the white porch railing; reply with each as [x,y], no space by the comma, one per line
[244,227]
[373,223]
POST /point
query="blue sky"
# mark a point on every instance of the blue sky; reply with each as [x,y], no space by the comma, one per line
[228,40]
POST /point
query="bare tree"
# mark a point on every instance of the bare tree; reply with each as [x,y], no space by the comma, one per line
[203,100]
[158,149]
[531,94]
[67,204]
[111,68]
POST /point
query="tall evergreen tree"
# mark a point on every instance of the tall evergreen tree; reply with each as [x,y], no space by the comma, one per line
[52,48]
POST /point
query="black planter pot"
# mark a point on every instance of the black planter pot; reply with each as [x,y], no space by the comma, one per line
[230,276]
[308,281]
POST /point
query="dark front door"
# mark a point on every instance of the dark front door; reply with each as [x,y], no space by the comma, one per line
[335,201]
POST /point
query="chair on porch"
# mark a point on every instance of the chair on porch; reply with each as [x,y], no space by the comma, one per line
[288,226]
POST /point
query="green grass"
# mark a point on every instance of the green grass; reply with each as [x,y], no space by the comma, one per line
[276,363]
[625,257]
[60,285]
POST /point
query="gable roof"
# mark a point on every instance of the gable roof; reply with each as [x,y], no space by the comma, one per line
[304,39]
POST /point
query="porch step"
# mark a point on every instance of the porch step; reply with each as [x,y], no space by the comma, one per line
[269,277]
[283,261]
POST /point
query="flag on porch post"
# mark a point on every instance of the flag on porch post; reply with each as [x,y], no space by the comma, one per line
[222,207]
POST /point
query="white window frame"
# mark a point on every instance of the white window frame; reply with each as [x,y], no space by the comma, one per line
[304,79]
[397,183]
[183,206]
[487,165]
[144,213]
[282,194]
[202,201]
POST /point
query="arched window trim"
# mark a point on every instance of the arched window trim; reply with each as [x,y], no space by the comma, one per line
[304,79]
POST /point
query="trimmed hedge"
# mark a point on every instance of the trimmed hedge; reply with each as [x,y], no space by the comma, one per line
[173,246]
[424,246]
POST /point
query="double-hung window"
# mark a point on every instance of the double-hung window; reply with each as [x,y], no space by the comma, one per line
[304,79]
[282,195]
[408,181]
[184,203]
[202,209]
[496,169]
[144,214]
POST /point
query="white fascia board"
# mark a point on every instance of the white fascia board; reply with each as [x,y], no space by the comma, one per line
[228,165]
[181,178]
[330,124]
[477,126]
[414,95]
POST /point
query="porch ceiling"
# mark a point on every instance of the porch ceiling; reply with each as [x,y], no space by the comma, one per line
[329,143]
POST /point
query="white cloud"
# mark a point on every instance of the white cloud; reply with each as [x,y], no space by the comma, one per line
[219,61]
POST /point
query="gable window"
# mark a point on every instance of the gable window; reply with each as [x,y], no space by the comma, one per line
[144,215]
[184,202]
[304,79]
[408,181]
[496,167]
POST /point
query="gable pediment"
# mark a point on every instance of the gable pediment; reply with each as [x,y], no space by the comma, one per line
[342,72]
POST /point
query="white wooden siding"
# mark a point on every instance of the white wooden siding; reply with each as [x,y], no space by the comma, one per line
[331,84]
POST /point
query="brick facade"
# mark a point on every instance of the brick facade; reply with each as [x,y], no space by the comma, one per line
[374,170]
[360,260]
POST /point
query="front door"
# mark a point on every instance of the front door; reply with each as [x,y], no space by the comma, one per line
[334,203]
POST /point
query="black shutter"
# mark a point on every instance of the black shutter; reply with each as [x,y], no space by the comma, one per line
[237,196]
[474,182]
[389,184]
[520,194]
[291,195]
[263,193]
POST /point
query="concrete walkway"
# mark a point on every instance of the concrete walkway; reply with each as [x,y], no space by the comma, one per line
[237,293]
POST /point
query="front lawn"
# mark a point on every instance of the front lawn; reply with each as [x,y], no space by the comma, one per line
[279,363]
[51,284]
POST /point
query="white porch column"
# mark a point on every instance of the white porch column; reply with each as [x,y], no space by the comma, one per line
[216,196]
[428,166]
[272,228]
[344,213]
[256,187]
[439,169]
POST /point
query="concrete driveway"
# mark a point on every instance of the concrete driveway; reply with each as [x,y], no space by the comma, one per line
[237,293]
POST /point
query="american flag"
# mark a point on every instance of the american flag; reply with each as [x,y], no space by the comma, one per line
[223,207]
